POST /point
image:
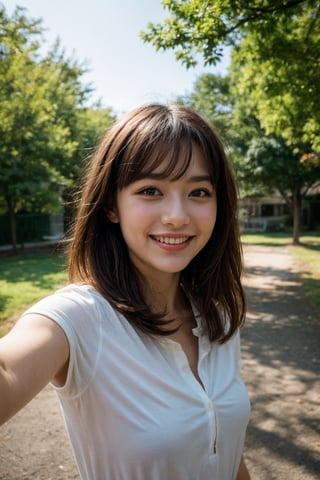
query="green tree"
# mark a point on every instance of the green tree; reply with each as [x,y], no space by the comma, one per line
[275,66]
[270,162]
[281,92]
[263,163]
[38,118]
[280,77]
[202,27]
[276,47]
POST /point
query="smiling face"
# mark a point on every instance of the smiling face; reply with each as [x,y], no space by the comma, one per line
[165,222]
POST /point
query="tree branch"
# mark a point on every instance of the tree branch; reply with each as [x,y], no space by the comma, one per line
[258,13]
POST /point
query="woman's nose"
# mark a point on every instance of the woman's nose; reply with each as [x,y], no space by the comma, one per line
[176,213]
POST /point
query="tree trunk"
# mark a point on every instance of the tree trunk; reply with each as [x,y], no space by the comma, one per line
[296,207]
[13,224]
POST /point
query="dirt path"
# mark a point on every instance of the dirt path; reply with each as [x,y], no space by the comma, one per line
[281,365]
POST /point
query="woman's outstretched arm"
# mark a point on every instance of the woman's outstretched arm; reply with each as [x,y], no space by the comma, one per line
[32,354]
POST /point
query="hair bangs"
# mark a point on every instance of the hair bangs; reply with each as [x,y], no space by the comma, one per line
[165,159]
[170,162]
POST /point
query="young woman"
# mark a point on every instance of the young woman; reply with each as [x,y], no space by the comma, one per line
[143,346]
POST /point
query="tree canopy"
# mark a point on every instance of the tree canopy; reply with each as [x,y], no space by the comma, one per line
[204,26]
[279,70]
[274,77]
[276,49]
[263,163]
[42,120]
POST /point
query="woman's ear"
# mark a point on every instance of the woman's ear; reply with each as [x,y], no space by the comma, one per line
[112,214]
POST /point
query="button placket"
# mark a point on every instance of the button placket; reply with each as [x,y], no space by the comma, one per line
[213,427]
[184,367]
[204,350]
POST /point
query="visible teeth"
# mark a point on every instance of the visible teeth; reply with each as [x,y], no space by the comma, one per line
[170,240]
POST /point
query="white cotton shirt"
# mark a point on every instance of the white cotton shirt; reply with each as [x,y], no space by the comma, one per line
[132,406]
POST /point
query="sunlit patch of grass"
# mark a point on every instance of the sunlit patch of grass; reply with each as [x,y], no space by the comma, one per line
[25,280]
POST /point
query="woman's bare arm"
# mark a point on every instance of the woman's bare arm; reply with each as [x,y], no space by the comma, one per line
[34,352]
[243,473]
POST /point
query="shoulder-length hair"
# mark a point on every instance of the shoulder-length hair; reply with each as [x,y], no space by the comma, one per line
[98,255]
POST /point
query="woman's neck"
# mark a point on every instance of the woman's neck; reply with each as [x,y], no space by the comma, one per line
[167,297]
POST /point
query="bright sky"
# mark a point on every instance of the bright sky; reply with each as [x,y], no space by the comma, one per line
[124,71]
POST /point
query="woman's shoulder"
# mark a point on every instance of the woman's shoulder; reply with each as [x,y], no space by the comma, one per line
[71,298]
[78,291]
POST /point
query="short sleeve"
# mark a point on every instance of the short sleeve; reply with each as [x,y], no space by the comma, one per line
[74,308]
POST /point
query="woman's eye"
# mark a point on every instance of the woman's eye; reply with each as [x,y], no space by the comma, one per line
[201,192]
[149,192]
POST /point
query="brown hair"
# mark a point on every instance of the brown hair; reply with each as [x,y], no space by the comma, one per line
[98,255]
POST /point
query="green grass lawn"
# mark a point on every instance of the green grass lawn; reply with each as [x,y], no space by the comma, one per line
[306,256]
[26,279]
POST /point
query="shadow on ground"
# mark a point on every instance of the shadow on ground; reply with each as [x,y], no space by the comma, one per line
[280,347]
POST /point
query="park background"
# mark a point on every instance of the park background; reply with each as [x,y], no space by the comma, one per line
[252,70]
